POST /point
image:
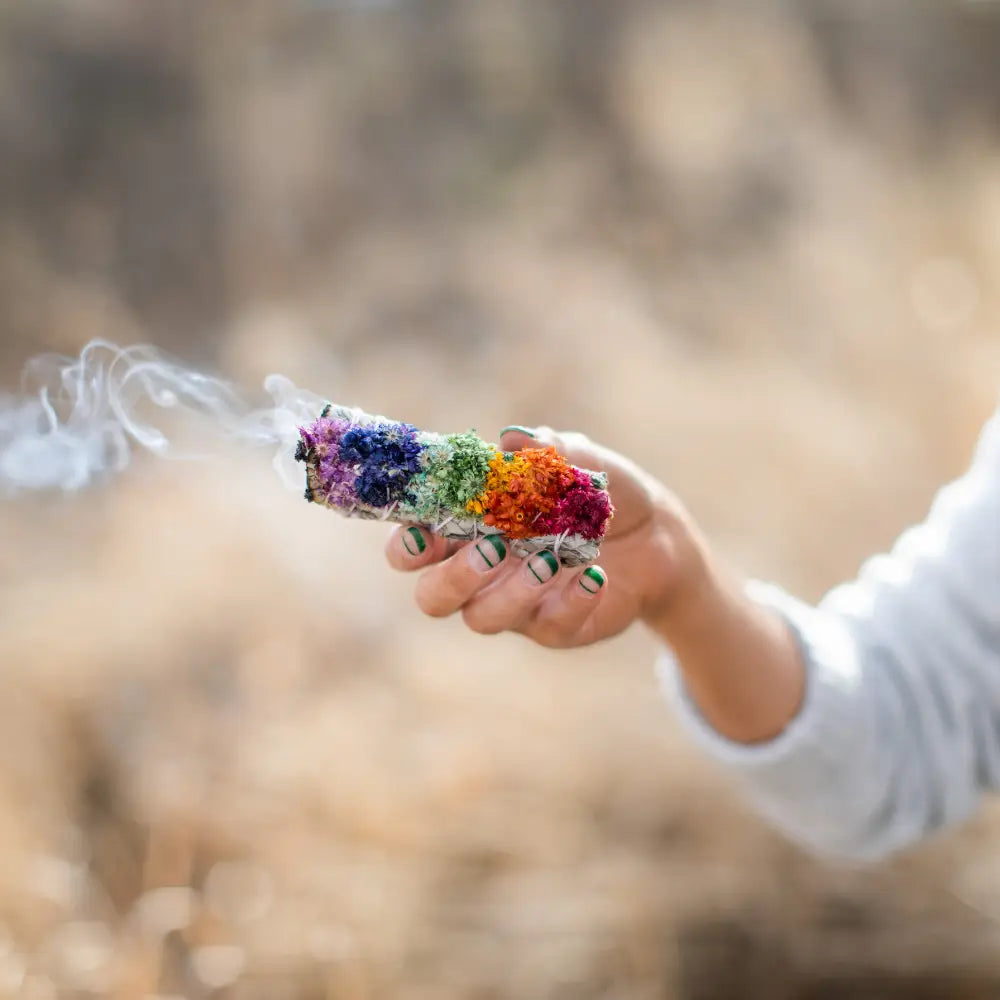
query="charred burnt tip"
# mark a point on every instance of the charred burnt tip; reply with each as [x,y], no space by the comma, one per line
[309,495]
[301,451]
[326,411]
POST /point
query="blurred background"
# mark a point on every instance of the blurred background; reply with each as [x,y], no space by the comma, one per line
[753,244]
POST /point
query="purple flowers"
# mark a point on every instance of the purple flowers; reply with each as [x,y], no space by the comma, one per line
[371,464]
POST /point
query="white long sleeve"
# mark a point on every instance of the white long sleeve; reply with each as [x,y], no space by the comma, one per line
[899,732]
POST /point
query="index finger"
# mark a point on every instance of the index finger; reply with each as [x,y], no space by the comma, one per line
[410,547]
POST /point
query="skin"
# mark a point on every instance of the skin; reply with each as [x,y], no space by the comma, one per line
[740,663]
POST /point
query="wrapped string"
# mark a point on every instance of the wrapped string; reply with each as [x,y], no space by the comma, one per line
[457,485]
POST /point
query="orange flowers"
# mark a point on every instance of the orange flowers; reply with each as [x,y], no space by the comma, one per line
[521,487]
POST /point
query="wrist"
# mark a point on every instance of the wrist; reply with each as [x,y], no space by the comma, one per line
[684,588]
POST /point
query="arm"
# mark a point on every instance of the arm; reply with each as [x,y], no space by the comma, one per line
[898,731]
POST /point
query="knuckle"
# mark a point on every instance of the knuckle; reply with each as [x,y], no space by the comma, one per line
[475,619]
[545,435]
[431,602]
[559,623]
[551,634]
[576,441]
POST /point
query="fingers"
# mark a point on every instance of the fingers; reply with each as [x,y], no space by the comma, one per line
[511,602]
[516,437]
[444,588]
[540,598]
[548,602]
[409,547]
[573,445]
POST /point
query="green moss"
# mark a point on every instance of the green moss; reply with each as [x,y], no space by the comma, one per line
[455,471]
[422,501]
[464,477]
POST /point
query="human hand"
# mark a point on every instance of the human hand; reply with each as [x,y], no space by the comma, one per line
[650,560]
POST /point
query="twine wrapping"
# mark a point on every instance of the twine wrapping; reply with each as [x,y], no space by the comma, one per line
[457,485]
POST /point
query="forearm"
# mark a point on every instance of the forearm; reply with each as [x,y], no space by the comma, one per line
[740,663]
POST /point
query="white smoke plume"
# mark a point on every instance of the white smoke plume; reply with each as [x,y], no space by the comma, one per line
[78,420]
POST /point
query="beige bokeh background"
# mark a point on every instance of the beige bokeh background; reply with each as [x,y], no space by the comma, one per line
[755,246]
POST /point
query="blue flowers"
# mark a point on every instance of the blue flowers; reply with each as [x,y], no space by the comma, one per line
[385,458]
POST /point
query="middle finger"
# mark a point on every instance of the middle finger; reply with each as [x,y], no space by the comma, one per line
[444,588]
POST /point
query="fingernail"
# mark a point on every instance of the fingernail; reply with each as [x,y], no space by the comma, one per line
[414,541]
[543,566]
[488,552]
[592,579]
[520,430]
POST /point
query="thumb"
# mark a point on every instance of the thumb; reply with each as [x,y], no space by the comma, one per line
[516,436]
[576,448]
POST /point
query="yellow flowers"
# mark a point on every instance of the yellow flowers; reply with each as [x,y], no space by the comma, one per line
[520,488]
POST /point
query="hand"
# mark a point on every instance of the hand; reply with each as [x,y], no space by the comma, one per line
[649,560]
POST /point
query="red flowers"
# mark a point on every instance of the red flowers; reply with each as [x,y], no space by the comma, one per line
[582,510]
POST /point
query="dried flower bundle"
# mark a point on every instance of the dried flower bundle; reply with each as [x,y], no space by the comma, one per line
[458,485]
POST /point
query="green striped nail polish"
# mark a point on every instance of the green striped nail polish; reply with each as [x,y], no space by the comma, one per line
[592,579]
[520,430]
[413,538]
[492,551]
[543,566]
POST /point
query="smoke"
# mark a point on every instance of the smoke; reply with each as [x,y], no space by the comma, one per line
[78,420]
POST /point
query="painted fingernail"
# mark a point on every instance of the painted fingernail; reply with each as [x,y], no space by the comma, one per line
[488,553]
[592,579]
[414,541]
[520,430]
[543,566]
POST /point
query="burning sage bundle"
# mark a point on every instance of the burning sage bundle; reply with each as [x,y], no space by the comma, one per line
[457,485]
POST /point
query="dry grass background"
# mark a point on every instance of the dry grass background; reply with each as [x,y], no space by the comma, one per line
[754,244]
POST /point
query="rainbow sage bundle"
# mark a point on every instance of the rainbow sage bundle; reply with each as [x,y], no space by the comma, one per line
[457,485]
